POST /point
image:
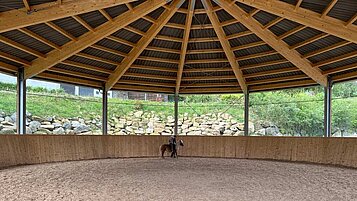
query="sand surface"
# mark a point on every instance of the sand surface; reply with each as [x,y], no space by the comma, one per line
[182,179]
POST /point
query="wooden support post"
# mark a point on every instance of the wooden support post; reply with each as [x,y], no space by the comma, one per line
[327,108]
[104,111]
[21,102]
[176,114]
[246,113]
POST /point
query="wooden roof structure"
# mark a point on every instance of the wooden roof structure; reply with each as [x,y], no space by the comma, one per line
[181,46]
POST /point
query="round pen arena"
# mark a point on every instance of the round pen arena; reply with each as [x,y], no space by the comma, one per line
[208,168]
[178,47]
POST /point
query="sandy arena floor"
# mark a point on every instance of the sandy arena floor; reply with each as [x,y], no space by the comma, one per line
[182,179]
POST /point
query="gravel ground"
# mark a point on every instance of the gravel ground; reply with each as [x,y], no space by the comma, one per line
[181,179]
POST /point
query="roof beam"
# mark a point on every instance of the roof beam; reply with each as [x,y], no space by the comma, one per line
[345,76]
[306,17]
[14,59]
[155,68]
[69,79]
[87,67]
[145,83]
[206,70]
[292,55]
[326,49]
[143,43]
[39,38]
[272,72]
[150,76]
[328,8]
[352,20]
[221,77]
[60,30]
[298,4]
[90,38]
[340,69]
[269,63]
[144,89]
[8,67]
[52,11]
[83,23]
[225,44]
[21,47]
[211,90]
[186,37]
[225,83]
[299,83]
[278,79]
[27,5]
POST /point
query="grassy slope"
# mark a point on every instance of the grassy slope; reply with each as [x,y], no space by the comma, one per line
[72,106]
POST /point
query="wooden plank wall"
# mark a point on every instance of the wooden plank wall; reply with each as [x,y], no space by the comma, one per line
[32,149]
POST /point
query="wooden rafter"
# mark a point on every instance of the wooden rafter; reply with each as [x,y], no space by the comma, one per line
[145,83]
[154,68]
[272,72]
[39,38]
[60,30]
[83,23]
[8,67]
[96,58]
[88,39]
[270,63]
[345,76]
[21,47]
[306,17]
[143,43]
[299,83]
[278,79]
[352,20]
[26,4]
[292,55]
[221,77]
[184,46]
[105,14]
[218,84]
[218,89]
[143,88]
[69,79]
[326,49]
[52,11]
[340,69]
[328,8]
[87,67]
[225,44]
[14,59]
[336,59]
[291,32]
[298,4]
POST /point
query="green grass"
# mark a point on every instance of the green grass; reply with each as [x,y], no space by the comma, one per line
[67,106]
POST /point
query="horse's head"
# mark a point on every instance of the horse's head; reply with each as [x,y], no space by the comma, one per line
[181,143]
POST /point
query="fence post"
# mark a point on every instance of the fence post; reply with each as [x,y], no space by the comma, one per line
[21,102]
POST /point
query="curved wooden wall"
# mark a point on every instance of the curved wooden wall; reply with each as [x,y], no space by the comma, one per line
[32,149]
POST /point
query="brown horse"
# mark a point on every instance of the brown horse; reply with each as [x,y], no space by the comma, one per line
[167,147]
